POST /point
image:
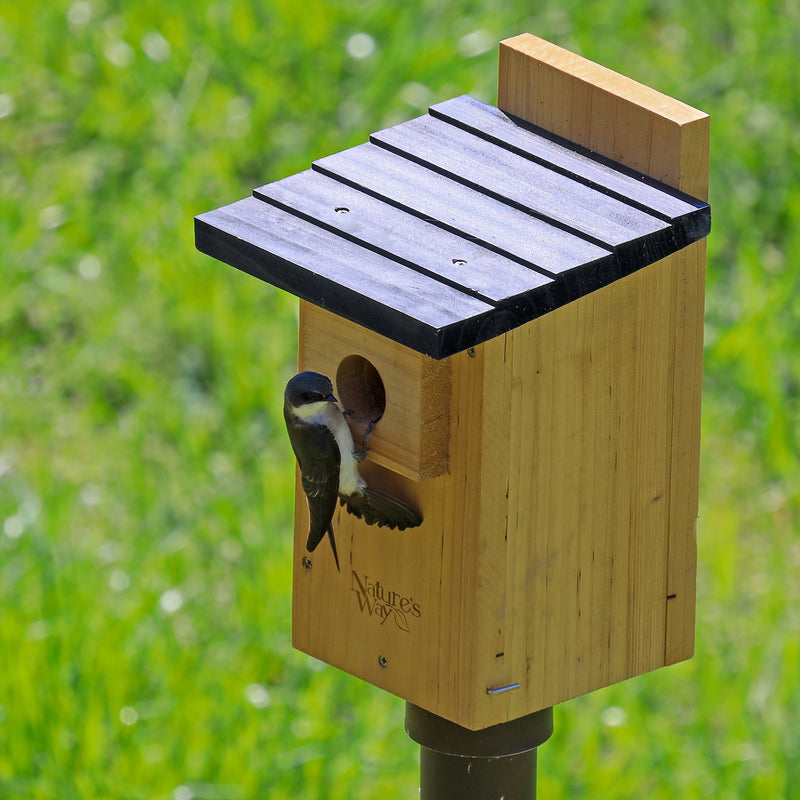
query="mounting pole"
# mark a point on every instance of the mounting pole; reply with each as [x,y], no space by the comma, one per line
[496,762]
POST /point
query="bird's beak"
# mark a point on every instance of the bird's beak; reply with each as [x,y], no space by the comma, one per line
[332,399]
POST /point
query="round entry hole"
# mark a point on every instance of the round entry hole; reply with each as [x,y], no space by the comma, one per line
[360,389]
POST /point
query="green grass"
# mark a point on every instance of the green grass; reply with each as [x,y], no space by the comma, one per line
[145,479]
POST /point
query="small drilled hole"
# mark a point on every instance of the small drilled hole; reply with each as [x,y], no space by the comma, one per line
[360,389]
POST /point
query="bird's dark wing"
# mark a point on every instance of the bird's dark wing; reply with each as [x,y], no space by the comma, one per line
[377,508]
[318,456]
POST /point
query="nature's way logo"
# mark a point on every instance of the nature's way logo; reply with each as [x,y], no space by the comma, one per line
[375,600]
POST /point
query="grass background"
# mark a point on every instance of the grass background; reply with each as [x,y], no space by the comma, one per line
[144,472]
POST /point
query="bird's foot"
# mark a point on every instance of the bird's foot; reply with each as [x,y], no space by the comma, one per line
[361,453]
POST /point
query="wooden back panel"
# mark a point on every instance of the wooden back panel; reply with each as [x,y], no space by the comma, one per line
[610,114]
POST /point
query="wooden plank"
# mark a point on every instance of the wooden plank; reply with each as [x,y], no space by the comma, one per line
[604,111]
[403,237]
[688,303]
[378,617]
[456,228]
[297,244]
[586,476]
[458,501]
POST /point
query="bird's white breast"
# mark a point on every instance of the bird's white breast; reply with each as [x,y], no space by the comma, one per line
[328,414]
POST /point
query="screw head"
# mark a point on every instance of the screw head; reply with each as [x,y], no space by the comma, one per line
[383,662]
[306,563]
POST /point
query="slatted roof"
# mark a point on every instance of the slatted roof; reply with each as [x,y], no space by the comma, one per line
[452,228]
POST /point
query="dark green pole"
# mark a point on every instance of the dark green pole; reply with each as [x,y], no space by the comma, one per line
[493,763]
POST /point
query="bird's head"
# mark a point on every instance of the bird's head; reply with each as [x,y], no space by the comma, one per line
[308,388]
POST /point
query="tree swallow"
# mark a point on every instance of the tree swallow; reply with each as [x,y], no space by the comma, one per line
[323,445]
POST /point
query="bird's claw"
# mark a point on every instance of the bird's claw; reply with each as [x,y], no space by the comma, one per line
[361,453]
[368,431]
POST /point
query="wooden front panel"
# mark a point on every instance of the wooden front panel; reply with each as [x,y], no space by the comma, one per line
[403,611]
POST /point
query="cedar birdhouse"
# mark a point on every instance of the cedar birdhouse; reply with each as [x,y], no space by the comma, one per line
[517,292]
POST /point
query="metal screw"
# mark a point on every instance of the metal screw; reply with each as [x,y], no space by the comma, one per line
[471,352]
[501,689]
[383,661]
[306,563]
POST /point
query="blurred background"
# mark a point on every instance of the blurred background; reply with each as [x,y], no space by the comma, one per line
[145,476]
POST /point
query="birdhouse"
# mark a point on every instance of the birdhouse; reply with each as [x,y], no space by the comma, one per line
[516,294]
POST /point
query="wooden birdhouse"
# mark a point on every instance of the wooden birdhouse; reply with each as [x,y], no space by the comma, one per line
[517,293]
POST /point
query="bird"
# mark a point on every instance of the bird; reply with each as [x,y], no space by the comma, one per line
[323,446]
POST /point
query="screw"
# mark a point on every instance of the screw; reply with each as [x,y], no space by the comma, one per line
[383,661]
[471,352]
[306,563]
[501,689]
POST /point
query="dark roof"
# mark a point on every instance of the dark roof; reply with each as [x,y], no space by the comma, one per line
[452,228]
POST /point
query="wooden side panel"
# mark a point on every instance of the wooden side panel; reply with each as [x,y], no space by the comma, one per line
[574,550]
[688,305]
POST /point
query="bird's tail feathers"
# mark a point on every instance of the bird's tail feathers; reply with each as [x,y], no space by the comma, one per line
[314,540]
[376,508]
[333,547]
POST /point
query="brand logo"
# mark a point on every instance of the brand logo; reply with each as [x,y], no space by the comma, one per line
[375,600]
